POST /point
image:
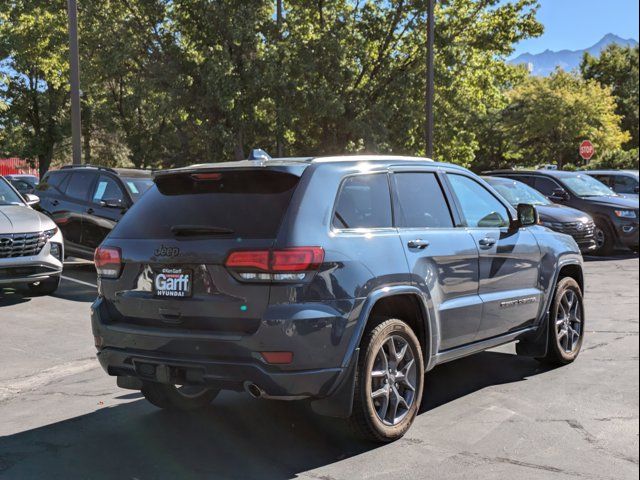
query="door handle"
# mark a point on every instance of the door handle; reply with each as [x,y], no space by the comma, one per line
[55,203]
[487,242]
[419,244]
[90,210]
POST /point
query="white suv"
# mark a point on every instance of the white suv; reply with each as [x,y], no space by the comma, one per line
[31,246]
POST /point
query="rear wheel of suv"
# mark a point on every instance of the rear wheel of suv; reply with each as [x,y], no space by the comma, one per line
[605,240]
[566,324]
[45,287]
[389,382]
[174,397]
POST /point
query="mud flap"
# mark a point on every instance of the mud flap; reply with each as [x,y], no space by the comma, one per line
[340,403]
[536,344]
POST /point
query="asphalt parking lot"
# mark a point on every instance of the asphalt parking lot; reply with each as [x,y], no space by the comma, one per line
[493,415]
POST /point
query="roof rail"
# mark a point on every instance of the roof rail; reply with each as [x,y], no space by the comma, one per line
[88,165]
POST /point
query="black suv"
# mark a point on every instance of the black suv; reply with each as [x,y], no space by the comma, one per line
[337,280]
[87,201]
[616,217]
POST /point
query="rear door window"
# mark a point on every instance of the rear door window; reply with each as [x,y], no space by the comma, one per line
[546,186]
[247,204]
[107,188]
[421,202]
[79,185]
[364,201]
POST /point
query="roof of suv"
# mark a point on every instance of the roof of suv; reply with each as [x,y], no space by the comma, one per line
[123,172]
[549,173]
[612,172]
[303,162]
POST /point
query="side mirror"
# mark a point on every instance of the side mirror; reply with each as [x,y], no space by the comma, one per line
[113,203]
[559,195]
[31,199]
[527,215]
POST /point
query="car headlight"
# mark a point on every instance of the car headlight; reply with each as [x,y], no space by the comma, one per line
[50,233]
[625,213]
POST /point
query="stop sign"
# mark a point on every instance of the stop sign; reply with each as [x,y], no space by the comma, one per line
[587,150]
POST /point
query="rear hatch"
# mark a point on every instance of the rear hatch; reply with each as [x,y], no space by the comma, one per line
[174,242]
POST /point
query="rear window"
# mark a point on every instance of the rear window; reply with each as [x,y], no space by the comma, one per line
[244,204]
[364,202]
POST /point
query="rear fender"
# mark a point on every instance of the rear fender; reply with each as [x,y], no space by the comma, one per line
[431,327]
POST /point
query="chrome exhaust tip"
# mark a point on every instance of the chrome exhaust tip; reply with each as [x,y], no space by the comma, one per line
[253,390]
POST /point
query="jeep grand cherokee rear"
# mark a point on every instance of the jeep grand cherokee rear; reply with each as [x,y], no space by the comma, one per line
[337,280]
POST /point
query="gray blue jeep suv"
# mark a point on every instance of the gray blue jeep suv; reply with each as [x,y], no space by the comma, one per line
[339,281]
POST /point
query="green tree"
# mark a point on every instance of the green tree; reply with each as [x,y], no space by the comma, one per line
[548,118]
[34,88]
[173,82]
[617,68]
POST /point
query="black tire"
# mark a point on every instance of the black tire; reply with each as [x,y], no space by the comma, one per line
[170,397]
[45,287]
[365,419]
[557,352]
[605,239]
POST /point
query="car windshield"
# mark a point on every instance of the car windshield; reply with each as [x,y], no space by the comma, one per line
[8,196]
[517,192]
[586,186]
[137,186]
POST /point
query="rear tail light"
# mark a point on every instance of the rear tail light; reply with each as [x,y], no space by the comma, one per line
[108,262]
[289,264]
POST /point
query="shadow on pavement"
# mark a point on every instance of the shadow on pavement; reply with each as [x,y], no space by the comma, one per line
[236,438]
[621,255]
[9,296]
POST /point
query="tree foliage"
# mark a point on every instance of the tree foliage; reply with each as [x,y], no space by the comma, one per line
[547,118]
[617,68]
[172,82]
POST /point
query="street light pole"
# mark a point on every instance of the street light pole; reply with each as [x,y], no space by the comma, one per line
[431,24]
[74,63]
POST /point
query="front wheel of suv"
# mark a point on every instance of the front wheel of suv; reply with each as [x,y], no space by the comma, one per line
[174,397]
[566,324]
[389,382]
[45,287]
[605,240]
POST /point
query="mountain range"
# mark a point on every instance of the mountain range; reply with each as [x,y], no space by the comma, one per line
[545,63]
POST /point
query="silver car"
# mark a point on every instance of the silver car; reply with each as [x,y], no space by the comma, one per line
[31,246]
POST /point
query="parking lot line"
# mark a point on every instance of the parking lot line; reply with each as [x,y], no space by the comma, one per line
[78,281]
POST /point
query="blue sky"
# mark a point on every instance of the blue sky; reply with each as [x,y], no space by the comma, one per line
[577,24]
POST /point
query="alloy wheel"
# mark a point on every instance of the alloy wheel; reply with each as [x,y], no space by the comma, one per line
[569,322]
[601,237]
[393,380]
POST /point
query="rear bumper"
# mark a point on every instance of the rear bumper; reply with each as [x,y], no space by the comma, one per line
[284,385]
[231,361]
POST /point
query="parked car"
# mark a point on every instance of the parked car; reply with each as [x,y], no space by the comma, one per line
[31,246]
[86,202]
[552,215]
[336,280]
[23,183]
[623,182]
[616,217]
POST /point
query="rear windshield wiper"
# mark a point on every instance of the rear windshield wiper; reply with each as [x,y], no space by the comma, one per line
[195,230]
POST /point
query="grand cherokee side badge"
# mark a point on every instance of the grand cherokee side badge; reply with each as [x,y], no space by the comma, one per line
[164,251]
